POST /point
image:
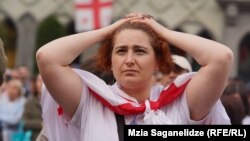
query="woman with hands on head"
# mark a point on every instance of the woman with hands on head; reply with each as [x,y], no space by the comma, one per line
[77,105]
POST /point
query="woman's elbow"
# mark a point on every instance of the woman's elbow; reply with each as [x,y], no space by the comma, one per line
[42,57]
[229,56]
[226,57]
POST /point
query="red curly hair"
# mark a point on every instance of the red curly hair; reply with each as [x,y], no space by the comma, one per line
[160,47]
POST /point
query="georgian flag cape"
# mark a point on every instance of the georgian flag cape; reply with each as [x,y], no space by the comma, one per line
[98,122]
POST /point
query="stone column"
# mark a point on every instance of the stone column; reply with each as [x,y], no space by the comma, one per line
[26,30]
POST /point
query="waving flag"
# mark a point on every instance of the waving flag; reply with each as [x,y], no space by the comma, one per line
[92,14]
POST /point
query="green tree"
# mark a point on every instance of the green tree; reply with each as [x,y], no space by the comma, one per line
[50,29]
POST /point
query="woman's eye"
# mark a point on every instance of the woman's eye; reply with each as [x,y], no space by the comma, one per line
[140,51]
[121,51]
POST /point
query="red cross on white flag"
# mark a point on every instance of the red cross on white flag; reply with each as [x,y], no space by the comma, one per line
[92,14]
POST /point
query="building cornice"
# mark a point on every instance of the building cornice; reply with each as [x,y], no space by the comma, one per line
[243,5]
[233,8]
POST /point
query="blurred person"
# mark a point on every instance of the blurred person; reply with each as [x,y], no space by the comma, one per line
[90,65]
[234,99]
[3,60]
[157,78]
[181,66]
[234,108]
[11,108]
[246,119]
[74,101]
[15,74]
[26,80]
[9,75]
[32,115]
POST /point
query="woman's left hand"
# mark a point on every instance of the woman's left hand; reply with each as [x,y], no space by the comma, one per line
[149,20]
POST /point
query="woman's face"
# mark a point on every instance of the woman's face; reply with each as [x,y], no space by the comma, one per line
[133,58]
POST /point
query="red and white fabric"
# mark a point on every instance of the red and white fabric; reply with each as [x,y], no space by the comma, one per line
[92,14]
[94,119]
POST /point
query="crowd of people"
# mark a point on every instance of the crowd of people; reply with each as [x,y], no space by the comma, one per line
[135,77]
[19,101]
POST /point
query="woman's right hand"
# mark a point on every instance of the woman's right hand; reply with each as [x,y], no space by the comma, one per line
[109,30]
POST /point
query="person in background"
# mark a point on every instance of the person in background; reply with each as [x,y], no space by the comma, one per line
[11,108]
[3,60]
[32,115]
[234,101]
[181,66]
[246,119]
[24,74]
[79,106]
[90,65]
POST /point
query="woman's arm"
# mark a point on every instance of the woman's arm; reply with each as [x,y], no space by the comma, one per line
[215,59]
[206,87]
[53,61]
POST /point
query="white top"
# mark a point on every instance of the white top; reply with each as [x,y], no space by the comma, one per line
[94,122]
[11,111]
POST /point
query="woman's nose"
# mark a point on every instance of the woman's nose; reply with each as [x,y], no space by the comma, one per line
[130,60]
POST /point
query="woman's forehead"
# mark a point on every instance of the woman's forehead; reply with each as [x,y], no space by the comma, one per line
[130,31]
[132,36]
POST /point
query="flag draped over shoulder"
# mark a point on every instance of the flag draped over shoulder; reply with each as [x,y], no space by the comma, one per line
[92,14]
[94,119]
